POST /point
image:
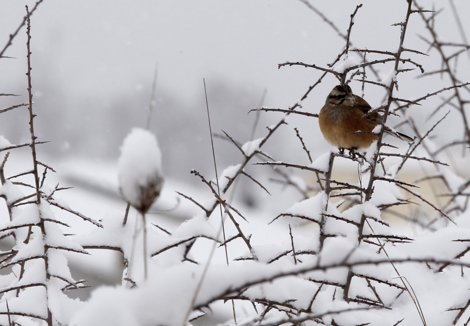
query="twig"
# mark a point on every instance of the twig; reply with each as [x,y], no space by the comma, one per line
[351,23]
[13,35]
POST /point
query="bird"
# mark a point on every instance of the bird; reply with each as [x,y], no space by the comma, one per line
[347,121]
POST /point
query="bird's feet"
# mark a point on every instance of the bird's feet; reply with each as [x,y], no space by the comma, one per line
[352,152]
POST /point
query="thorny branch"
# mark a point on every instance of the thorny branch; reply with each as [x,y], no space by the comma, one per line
[373,165]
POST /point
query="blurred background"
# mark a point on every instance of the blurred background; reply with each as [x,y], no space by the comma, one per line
[94,63]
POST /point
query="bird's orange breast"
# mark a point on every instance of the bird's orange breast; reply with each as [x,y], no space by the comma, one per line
[346,126]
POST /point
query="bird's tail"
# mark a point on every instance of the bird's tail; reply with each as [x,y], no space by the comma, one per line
[399,135]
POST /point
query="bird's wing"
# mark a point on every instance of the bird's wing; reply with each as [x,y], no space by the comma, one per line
[365,108]
[361,104]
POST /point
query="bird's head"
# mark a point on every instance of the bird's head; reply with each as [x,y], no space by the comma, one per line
[338,94]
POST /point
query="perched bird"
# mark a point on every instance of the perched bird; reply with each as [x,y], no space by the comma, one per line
[347,121]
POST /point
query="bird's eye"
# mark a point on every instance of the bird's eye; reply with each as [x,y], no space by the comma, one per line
[348,89]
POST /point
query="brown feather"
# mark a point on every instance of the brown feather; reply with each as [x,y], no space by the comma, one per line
[348,122]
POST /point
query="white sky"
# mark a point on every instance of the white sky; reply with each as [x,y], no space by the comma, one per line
[102,48]
[115,44]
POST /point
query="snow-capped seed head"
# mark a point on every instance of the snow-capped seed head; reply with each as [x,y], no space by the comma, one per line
[139,169]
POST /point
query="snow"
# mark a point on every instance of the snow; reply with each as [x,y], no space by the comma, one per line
[284,290]
[140,169]
[353,213]
[266,253]
[169,290]
[33,273]
[30,301]
[4,142]
[110,307]
[197,226]
[11,192]
[310,207]
[62,306]
[228,174]
[35,246]
[159,302]
[440,244]
[346,62]
[386,193]
[113,234]
[322,162]
[22,218]
[54,235]
[296,265]
[377,129]
[252,146]
[336,250]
